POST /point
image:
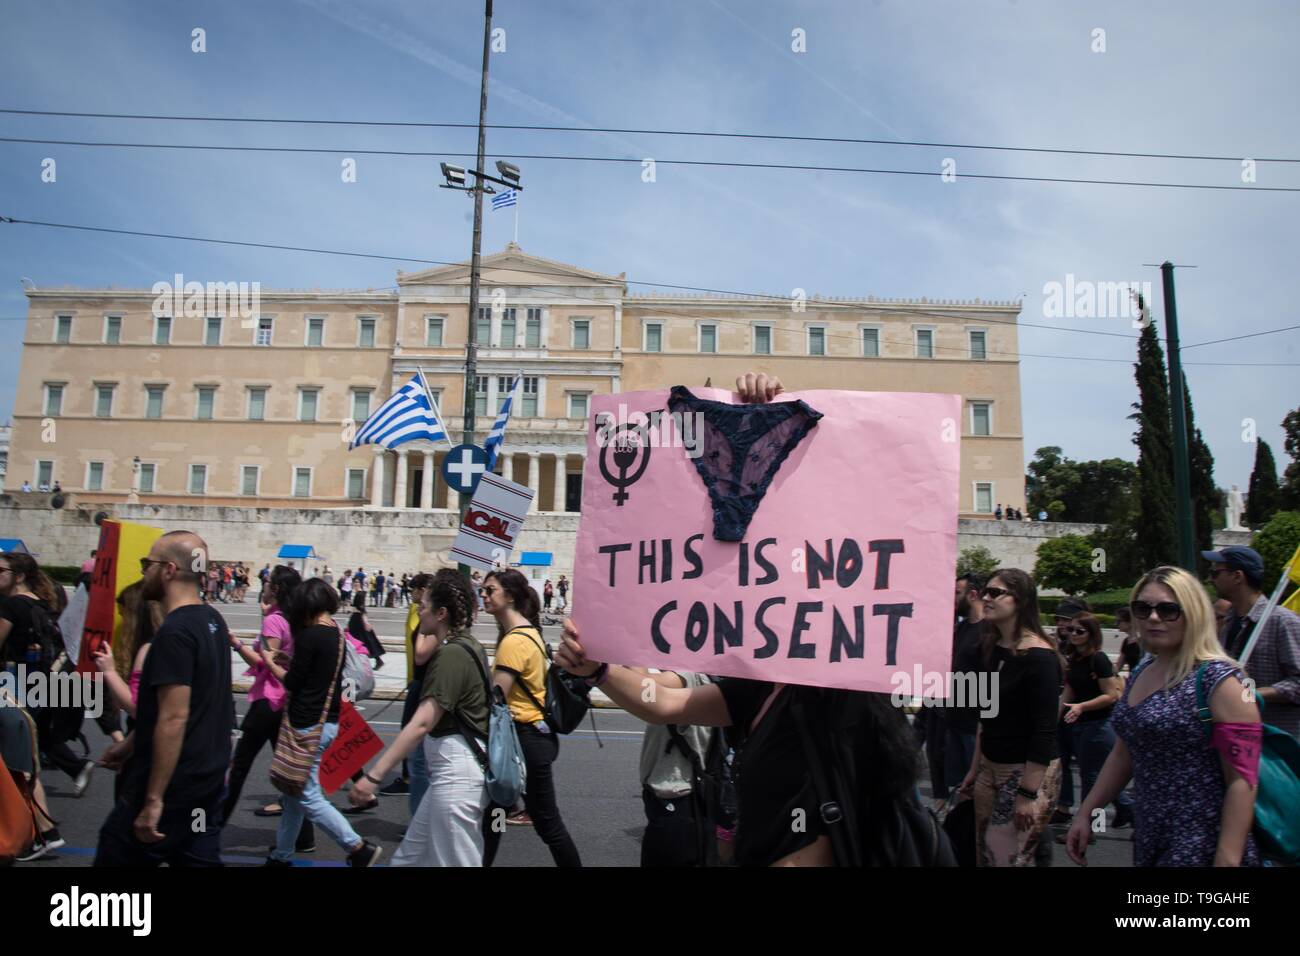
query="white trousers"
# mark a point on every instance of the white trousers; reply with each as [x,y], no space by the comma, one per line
[446,828]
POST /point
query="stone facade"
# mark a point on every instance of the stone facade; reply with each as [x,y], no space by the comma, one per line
[394,539]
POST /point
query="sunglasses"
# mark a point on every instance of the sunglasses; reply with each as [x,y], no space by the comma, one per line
[488,591]
[1074,630]
[145,562]
[993,593]
[1167,611]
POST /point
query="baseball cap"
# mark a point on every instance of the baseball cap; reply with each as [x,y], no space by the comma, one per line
[1238,557]
[1070,607]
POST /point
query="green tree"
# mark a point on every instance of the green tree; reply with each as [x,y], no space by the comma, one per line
[1121,559]
[1206,497]
[1276,542]
[1262,496]
[1067,563]
[976,560]
[1085,491]
[1154,516]
[1289,493]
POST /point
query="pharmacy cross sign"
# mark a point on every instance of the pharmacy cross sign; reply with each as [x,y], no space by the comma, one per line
[463,467]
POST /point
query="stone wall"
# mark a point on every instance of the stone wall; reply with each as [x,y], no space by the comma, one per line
[391,539]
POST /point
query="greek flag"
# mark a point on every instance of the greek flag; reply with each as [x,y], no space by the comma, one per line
[498,433]
[507,198]
[406,416]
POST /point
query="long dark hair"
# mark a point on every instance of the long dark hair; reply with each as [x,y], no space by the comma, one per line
[521,592]
[283,582]
[450,589]
[1021,586]
[309,601]
[1093,627]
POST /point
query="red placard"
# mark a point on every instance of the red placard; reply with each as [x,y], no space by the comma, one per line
[355,744]
[103,596]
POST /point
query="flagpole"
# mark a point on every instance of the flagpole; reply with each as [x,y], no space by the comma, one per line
[433,407]
[516,220]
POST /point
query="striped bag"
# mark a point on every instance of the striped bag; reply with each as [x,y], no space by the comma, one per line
[295,750]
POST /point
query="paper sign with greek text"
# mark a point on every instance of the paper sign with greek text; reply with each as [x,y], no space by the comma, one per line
[842,576]
[355,744]
[492,523]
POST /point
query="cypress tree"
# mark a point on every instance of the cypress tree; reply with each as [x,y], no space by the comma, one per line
[1206,497]
[1154,519]
[1261,502]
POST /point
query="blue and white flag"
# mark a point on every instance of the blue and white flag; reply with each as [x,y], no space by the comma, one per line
[507,198]
[498,433]
[407,415]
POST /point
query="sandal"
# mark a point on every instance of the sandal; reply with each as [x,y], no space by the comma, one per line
[274,810]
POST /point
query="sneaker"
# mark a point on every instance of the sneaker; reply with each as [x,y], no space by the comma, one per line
[1123,818]
[1060,816]
[52,840]
[272,861]
[34,851]
[367,855]
[520,819]
[305,847]
[355,811]
[83,779]
[398,787]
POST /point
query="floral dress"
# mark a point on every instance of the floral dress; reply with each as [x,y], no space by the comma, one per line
[1177,778]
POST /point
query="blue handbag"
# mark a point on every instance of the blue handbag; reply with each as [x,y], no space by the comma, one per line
[1277,822]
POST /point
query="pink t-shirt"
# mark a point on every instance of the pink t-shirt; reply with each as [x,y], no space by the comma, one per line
[265,686]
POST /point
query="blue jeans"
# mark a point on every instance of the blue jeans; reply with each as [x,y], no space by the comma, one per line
[313,804]
[417,764]
[1091,742]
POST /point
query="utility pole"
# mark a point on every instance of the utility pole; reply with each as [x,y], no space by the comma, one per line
[471,347]
[1177,399]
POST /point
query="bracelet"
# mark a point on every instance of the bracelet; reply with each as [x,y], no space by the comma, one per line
[598,676]
[371,779]
[1027,794]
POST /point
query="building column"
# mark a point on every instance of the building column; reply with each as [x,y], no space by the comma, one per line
[508,466]
[426,490]
[377,478]
[535,479]
[561,468]
[399,489]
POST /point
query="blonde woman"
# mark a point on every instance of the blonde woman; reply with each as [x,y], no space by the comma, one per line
[1194,790]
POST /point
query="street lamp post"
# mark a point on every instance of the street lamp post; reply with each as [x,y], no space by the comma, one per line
[456,179]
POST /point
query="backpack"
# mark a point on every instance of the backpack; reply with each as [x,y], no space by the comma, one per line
[1277,825]
[356,668]
[503,765]
[568,698]
[45,633]
[867,826]
[708,785]
[18,822]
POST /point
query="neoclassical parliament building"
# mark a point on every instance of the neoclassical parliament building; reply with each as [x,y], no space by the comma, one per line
[120,404]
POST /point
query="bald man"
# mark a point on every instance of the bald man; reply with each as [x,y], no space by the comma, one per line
[174,761]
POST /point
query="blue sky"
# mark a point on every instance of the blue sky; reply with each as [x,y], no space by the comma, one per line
[1175,77]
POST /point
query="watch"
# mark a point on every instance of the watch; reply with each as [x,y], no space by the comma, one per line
[1027,794]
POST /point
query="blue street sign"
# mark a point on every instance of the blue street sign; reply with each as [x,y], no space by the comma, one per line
[463,467]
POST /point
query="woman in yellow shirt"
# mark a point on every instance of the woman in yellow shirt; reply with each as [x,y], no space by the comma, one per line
[520,671]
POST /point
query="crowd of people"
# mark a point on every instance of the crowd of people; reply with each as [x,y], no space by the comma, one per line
[1162,733]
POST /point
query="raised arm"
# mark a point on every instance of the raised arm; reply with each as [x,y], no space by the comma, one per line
[642,695]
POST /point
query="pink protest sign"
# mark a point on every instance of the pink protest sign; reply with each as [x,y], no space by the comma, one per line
[839,569]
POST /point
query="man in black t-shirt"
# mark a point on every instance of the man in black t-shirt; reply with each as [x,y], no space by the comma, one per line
[174,761]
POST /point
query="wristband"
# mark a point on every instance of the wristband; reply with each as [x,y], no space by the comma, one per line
[371,779]
[599,676]
[1027,794]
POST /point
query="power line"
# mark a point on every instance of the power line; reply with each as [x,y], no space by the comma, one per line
[791,167]
[1235,338]
[652,132]
[845,307]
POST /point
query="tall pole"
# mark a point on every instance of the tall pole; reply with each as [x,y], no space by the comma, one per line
[1178,399]
[471,348]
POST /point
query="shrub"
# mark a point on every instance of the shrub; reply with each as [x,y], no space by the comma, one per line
[1276,542]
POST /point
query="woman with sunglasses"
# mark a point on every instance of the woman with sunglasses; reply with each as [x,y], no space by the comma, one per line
[1016,772]
[520,671]
[1194,790]
[1091,690]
